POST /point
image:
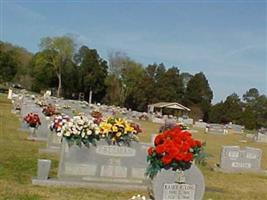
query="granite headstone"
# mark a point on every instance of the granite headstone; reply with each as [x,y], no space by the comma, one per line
[234,159]
[191,185]
[104,163]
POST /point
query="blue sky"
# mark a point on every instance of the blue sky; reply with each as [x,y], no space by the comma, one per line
[224,39]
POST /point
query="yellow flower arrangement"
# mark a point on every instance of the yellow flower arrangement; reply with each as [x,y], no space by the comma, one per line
[117,131]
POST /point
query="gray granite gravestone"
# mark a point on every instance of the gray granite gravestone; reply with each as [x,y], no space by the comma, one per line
[187,121]
[260,137]
[216,129]
[104,163]
[236,128]
[165,186]
[53,144]
[43,169]
[200,125]
[234,159]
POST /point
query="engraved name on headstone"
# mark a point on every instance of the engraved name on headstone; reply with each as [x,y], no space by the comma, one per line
[176,191]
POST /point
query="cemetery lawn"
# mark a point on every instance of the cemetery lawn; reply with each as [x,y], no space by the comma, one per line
[18,163]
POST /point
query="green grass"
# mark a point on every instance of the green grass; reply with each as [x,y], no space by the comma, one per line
[18,162]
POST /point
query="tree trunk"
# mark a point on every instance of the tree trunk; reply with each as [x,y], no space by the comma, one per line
[59,85]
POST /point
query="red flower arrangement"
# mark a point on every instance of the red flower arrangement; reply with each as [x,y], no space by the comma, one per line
[136,127]
[33,120]
[49,110]
[174,149]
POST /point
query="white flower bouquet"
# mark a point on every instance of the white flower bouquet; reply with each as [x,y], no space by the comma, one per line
[80,130]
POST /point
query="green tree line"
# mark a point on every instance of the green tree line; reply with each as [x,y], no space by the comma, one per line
[121,81]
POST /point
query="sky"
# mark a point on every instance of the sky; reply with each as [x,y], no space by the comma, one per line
[226,40]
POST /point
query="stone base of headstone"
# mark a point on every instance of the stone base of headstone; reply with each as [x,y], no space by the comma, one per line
[91,184]
[31,138]
[55,150]
[165,185]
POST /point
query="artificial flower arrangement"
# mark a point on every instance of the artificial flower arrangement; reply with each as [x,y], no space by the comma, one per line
[97,117]
[144,117]
[96,114]
[40,102]
[58,122]
[136,127]
[80,130]
[33,120]
[117,131]
[172,125]
[49,110]
[173,149]
[183,126]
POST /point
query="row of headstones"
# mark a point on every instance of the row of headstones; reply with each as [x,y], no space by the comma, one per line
[214,128]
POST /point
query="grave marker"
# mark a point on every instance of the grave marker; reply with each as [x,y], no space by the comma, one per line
[165,186]
[104,163]
[233,159]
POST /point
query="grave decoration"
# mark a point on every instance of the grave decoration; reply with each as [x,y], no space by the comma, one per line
[58,122]
[80,130]
[171,170]
[144,117]
[40,102]
[168,126]
[49,110]
[97,116]
[136,127]
[174,149]
[183,126]
[117,131]
[53,140]
[33,121]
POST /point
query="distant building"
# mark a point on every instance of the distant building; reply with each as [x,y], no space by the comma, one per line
[173,108]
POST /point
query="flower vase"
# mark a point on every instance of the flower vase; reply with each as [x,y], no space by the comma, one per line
[32,132]
[180,177]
